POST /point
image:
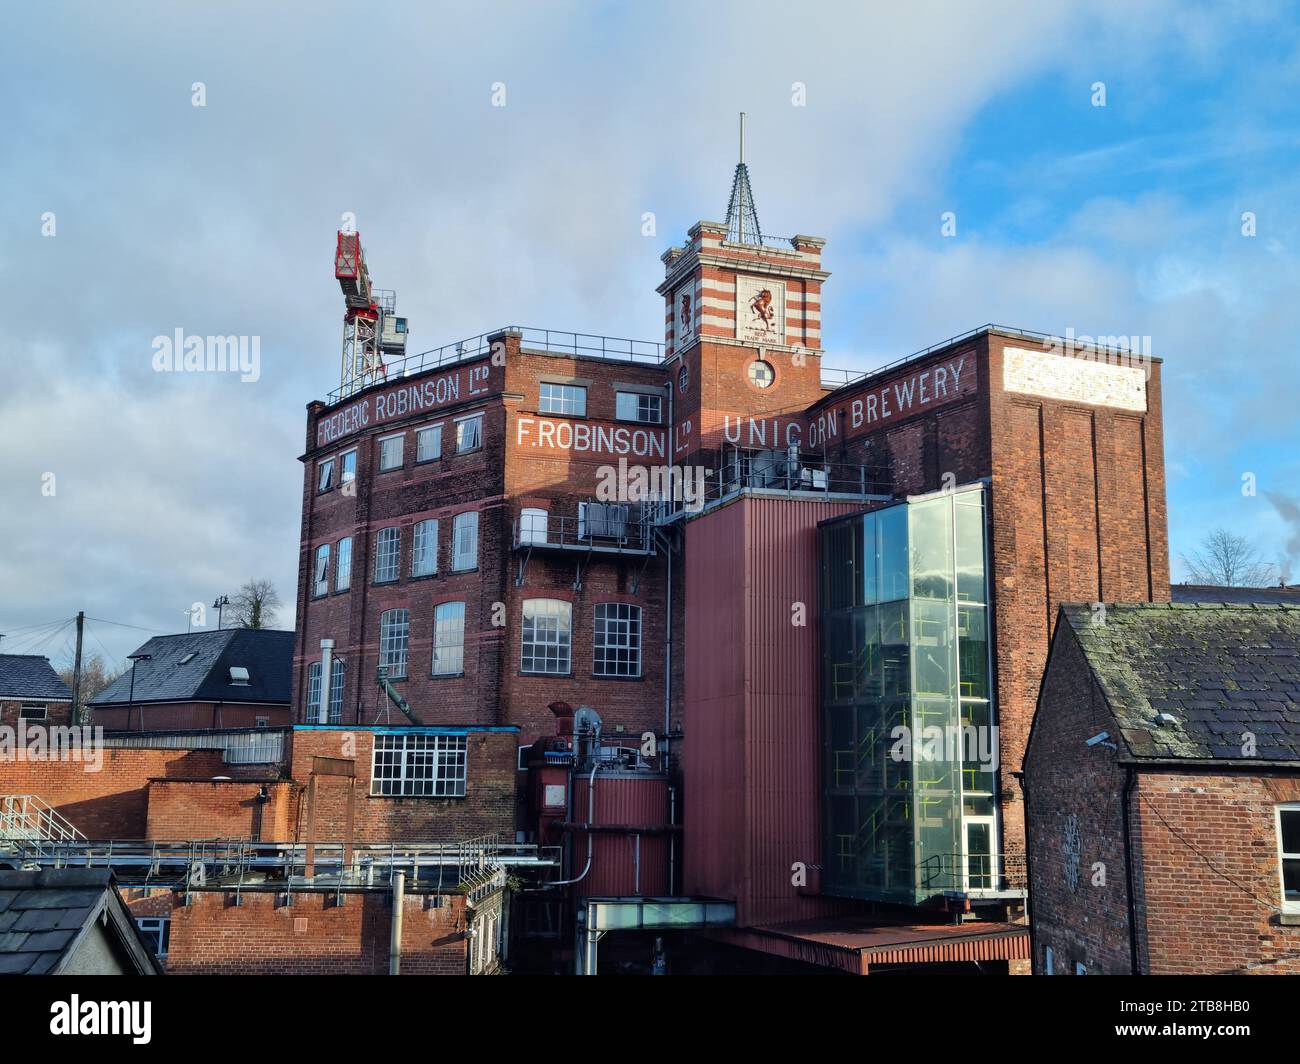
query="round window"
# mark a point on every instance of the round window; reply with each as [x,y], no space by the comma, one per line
[761,374]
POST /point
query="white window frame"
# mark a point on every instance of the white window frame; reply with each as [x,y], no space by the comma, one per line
[158,930]
[469,433]
[334,711]
[1049,961]
[348,466]
[448,639]
[384,441]
[343,565]
[42,706]
[561,400]
[321,576]
[464,541]
[1283,856]
[325,476]
[625,652]
[407,765]
[552,650]
[637,399]
[395,642]
[421,547]
[313,693]
[428,432]
[533,524]
[382,552]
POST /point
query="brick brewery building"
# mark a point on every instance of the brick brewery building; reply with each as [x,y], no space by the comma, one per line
[832,560]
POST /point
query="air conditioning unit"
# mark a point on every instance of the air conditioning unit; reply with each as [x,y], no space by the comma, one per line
[813,479]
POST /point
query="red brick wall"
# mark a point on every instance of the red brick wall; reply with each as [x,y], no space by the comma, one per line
[314,936]
[56,713]
[1209,873]
[1086,923]
[489,805]
[207,809]
[111,803]
[189,716]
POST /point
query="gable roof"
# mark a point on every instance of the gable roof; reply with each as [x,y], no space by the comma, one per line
[31,676]
[195,667]
[1219,670]
[45,915]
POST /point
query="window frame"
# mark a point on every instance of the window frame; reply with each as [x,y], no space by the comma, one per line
[311,704]
[384,653]
[637,399]
[346,475]
[415,751]
[400,437]
[343,572]
[636,617]
[23,707]
[563,641]
[325,475]
[471,517]
[433,432]
[419,535]
[561,399]
[457,651]
[461,424]
[380,540]
[1283,855]
[320,584]
[157,929]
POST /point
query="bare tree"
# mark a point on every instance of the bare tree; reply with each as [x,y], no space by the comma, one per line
[1227,560]
[255,605]
[95,676]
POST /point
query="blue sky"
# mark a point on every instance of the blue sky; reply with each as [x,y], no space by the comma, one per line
[171,488]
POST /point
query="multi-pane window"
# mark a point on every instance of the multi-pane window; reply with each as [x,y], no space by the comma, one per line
[348,461]
[388,551]
[325,475]
[336,693]
[532,525]
[464,540]
[428,443]
[449,639]
[469,434]
[1288,846]
[547,636]
[321,585]
[634,406]
[424,548]
[569,400]
[421,766]
[390,452]
[343,566]
[313,692]
[617,644]
[394,639]
[33,711]
[157,933]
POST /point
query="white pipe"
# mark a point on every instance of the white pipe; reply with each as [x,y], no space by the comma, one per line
[326,680]
[395,944]
[591,807]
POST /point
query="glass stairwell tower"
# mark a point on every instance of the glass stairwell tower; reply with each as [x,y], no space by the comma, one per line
[911,749]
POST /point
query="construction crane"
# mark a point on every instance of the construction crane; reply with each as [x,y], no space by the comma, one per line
[371,327]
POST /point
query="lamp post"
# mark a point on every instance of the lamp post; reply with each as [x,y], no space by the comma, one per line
[219,604]
[134,658]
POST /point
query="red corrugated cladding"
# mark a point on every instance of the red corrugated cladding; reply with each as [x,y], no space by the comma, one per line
[637,802]
[752,750]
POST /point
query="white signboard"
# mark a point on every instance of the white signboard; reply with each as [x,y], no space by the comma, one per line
[1091,377]
[760,311]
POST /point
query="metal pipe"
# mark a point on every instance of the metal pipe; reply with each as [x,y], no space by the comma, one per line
[591,806]
[395,945]
[1126,812]
[326,680]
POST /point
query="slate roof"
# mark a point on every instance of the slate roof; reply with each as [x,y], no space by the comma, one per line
[267,654]
[45,914]
[31,676]
[1220,670]
[1288,595]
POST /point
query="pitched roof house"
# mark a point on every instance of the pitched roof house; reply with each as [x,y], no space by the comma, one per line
[1162,786]
[229,678]
[31,690]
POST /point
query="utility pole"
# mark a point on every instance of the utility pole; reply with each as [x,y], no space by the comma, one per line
[76,669]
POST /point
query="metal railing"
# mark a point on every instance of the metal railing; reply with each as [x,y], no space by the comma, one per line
[551,341]
[32,827]
[974,875]
[630,532]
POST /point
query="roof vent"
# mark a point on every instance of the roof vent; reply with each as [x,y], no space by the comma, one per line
[1164,718]
[239,676]
[189,657]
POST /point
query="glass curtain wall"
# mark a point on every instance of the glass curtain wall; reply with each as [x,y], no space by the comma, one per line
[906,705]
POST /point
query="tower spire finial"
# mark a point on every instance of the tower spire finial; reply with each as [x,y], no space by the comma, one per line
[742,216]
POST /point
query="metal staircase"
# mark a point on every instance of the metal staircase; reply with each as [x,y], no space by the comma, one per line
[31,829]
